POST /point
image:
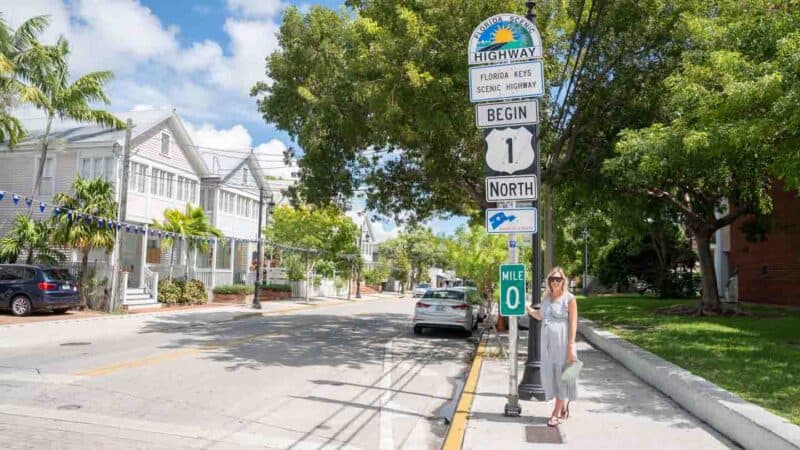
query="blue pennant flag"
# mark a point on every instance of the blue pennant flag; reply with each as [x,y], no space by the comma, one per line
[110,224]
[28,201]
[57,211]
[135,230]
[99,221]
[2,194]
[119,226]
[128,228]
[15,197]
[42,206]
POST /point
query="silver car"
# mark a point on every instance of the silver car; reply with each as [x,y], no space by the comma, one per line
[452,308]
[421,289]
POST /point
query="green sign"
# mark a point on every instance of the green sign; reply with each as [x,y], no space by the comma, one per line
[512,290]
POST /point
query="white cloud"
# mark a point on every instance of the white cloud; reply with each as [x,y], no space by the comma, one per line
[385,231]
[271,156]
[256,8]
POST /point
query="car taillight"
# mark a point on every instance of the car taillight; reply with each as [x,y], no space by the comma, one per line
[422,305]
[459,306]
[45,286]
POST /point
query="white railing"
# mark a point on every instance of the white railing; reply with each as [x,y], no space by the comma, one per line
[150,282]
[168,271]
[223,277]
[202,275]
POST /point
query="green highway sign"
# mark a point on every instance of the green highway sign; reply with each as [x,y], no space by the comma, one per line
[512,290]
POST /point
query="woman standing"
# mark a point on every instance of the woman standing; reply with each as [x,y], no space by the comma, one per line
[559,316]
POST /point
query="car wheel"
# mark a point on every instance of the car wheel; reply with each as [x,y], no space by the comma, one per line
[60,310]
[21,306]
[417,330]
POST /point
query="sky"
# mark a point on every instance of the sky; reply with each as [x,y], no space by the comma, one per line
[199,57]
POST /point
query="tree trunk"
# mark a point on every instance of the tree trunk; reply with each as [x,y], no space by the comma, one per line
[84,278]
[42,159]
[29,258]
[549,235]
[710,301]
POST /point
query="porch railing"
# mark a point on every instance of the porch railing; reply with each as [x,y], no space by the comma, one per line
[168,271]
[150,282]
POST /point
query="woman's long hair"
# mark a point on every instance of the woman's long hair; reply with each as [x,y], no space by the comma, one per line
[564,284]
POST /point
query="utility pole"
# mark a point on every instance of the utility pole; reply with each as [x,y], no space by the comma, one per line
[122,213]
[256,301]
[531,386]
[358,261]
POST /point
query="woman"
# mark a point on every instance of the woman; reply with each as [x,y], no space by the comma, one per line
[559,316]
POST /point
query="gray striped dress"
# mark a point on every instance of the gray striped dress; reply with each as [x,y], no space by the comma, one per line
[553,347]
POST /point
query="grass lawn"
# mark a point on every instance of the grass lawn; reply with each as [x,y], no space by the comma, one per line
[757,358]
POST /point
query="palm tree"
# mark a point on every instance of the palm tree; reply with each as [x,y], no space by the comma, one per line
[47,88]
[30,237]
[87,197]
[190,224]
[16,50]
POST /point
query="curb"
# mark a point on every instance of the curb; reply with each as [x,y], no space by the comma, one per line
[749,425]
[454,438]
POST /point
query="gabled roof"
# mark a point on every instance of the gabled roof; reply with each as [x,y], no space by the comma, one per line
[362,217]
[69,133]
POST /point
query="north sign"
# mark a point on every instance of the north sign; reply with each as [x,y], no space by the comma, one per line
[495,115]
[504,38]
[498,82]
[511,220]
[512,289]
[513,188]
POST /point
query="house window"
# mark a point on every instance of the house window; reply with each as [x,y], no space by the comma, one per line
[48,180]
[165,144]
[99,167]
[180,188]
[168,185]
[161,184]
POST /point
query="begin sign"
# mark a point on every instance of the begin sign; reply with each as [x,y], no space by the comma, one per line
[491,115]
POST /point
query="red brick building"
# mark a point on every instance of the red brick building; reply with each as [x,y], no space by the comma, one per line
[769,267]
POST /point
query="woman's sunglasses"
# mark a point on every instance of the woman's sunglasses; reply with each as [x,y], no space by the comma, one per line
[555,279]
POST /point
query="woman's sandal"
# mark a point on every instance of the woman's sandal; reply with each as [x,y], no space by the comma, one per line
[554,421]
[565,412]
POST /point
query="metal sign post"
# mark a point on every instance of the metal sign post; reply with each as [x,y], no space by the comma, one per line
[505,51]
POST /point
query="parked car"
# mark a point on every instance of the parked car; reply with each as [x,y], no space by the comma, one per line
[421,289]
[453,308]
[25,288]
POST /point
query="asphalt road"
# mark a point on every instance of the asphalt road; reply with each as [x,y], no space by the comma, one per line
[335,376]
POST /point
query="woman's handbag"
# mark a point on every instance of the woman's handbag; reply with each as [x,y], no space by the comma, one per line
[572,371]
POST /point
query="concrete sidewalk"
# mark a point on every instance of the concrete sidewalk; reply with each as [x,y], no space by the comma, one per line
[614,410]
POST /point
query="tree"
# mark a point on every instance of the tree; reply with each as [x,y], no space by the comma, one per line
[477,255]
[16,49]
[317,233]
[722,128]
[31,238]
[87,197]
[48,89]
[393,255]
[193,226]
[406,129]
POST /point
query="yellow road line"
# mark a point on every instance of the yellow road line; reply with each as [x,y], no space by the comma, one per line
[455,434]
[175,354]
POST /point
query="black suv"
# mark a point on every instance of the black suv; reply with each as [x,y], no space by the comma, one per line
[25,288]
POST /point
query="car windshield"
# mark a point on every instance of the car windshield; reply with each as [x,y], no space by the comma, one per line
[449,295]
[423,286]
[57,275]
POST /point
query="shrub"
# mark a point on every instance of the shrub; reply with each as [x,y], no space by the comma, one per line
[317,281]
[234,289]
[195,293]
[169,292]
[276,287]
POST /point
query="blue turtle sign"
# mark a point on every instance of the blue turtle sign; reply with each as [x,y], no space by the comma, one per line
[511,220]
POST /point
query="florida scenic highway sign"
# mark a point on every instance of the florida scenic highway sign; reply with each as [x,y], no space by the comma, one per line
[503,38]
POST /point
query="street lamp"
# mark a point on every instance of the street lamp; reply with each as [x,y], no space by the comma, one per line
[585,234]
[531,386]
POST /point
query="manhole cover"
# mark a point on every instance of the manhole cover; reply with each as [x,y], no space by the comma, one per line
[69,407]
[70,344]
[543,435]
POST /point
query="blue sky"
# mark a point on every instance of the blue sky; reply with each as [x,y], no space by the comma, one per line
[198,57]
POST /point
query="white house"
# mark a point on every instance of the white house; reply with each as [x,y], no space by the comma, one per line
[166,171]
[367,240]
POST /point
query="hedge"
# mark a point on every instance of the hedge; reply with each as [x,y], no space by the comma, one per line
[181,292]
[234,289]
[276,287]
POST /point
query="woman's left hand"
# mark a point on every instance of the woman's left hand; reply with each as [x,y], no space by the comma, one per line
[571,358]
